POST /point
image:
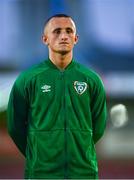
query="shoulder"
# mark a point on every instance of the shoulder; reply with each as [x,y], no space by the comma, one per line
[27,75]
[90,74]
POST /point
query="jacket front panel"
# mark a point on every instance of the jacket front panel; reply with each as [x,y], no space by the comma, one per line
[54,97]
[60,125]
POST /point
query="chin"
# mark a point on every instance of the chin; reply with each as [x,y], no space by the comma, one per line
[63,52]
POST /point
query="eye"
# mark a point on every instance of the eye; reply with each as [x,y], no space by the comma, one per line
[57,31]
[69,31]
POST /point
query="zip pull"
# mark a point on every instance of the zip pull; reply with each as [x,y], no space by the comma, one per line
[62,74]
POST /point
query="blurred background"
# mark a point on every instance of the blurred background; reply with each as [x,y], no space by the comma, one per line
[106,44]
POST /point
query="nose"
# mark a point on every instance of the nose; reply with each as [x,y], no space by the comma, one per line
[64,36]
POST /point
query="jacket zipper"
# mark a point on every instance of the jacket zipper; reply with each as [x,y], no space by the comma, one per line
[65,127]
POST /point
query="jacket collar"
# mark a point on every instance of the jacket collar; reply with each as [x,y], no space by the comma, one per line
[52,65]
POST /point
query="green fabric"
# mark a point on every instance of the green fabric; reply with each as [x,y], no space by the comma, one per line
[55,118]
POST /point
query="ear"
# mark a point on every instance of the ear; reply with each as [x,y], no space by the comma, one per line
[76,39]
[44,39]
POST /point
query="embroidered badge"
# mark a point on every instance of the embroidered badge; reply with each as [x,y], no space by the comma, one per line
[80,87]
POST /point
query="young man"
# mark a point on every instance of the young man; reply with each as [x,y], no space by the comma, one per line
[57,110]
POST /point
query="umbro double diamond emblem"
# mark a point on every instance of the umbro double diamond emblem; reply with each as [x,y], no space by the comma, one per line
[46,88]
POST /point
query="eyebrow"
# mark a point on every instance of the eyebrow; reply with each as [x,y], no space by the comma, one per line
[58,29]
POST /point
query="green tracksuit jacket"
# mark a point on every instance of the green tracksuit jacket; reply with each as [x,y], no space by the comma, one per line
[55,117]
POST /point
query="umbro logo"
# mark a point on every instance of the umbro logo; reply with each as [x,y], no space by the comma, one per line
[46,88]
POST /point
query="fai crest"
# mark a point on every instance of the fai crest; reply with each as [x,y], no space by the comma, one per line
[80,87]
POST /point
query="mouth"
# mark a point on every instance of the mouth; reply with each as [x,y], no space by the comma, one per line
[64,43]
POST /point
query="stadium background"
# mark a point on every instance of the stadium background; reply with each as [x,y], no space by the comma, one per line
[106,44]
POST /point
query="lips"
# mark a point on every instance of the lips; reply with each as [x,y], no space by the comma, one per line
[63,43]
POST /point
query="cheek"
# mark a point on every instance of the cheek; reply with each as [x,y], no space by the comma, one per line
[52,41]
[73,41]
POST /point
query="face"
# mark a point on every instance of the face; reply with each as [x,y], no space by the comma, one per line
[60,35]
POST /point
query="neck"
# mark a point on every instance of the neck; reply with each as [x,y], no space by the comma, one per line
[60,60]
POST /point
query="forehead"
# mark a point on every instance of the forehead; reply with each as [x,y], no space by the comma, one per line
[61,22]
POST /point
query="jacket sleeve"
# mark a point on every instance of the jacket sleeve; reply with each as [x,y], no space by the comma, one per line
[99,110]
[17,113]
